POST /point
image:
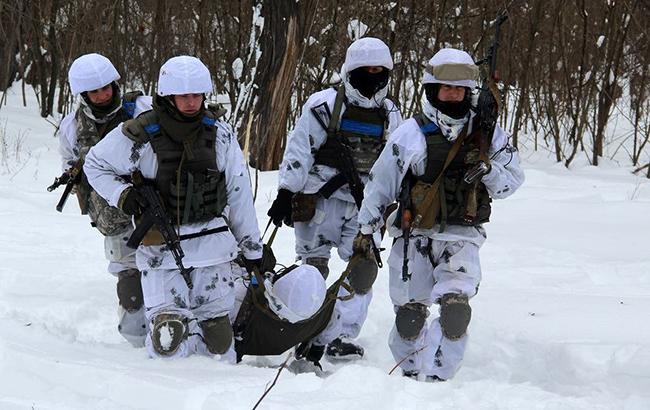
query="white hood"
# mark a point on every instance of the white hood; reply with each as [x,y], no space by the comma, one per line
[184,75]
[297,295]
[366,52]
[91,72]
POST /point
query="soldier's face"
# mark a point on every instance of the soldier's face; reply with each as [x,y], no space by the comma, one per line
[451,93]
[101,96]
[188,104]
[374,69]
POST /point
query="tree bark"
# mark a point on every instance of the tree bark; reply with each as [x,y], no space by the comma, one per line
[285,23]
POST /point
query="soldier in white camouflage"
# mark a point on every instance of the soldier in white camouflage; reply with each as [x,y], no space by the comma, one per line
[100,108]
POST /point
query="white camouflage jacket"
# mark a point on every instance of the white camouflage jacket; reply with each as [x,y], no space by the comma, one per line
[117,155]
[407,150]
[297,170]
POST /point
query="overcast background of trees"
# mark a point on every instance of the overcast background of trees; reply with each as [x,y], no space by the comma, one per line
[567,67]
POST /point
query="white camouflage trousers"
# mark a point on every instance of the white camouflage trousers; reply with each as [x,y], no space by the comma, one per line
[436,268]
[131,325]
[334,225]
[212,295]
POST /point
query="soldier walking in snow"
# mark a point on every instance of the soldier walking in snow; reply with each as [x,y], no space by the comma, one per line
[449,170]
[195,164]
[93,79]
[315,193]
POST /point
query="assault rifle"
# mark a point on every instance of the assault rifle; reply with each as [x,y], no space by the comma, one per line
[69,178]
[406,223]
[350,174]
[154,214]
[489,101]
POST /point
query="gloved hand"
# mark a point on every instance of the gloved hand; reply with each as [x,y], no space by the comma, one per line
[265,264]
[131,202]
[280,210]
[314,354]
[362,243]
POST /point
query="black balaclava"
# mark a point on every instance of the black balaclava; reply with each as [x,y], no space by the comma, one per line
[367,83]
[455,110]
[102,111]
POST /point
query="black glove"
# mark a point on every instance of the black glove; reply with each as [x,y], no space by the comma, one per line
[131,202]
[280,210]
[314,354]
[265,264]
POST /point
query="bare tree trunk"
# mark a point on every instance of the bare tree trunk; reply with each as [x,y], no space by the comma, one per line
[281,49]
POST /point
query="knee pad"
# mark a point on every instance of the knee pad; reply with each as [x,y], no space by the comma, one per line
[455,314]
[129,290]
[169,331]
[362,273]
[217,334]
[320,264]
[410,320]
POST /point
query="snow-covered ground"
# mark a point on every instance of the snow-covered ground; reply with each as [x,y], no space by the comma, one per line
[560,322]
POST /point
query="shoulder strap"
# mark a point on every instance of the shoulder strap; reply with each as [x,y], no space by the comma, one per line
[128,101]
[143,128]
[333,125]
[427,126]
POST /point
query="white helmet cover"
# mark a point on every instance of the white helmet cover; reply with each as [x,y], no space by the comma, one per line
[184,75]
[297,295]
[91,72]
[366,52]
[453,67]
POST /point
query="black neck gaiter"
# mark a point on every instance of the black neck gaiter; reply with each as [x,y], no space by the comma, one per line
[100,112]
[456,110]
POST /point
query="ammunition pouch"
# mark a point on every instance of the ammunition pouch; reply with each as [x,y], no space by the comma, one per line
[303,207]
[418,195]
[200,196]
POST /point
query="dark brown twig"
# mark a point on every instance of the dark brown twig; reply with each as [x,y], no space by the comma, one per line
[284,364]
[407,356]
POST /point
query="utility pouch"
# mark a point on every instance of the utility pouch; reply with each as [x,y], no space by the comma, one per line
[303,207]
[428,210]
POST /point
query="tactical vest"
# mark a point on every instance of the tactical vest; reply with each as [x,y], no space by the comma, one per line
[362,130]
[107,219]
[192,187]
[454,191]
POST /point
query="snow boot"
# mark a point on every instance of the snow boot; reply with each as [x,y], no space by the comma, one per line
[339,349]
[411,374]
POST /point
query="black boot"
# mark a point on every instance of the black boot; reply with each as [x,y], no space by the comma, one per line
[411,374]
[343,350]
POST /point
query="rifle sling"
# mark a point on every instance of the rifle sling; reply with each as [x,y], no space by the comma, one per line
[138,235]
[203,233]
[336,182]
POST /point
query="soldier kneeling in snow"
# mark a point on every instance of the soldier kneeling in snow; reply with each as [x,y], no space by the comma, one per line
[194,162]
